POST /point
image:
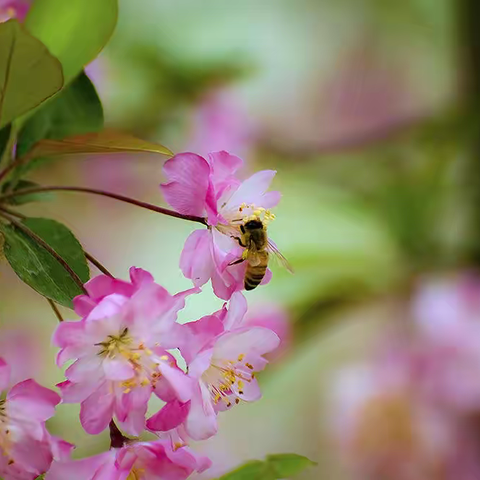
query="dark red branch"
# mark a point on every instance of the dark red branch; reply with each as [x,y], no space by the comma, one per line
[122,198]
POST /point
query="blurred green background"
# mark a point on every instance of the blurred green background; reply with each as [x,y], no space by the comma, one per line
[359,106]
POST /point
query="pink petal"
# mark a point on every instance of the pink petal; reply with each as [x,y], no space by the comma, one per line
[169,417]
[76,392]
[68,333]
[187,458]
[140,277]
[61,450]
[253,340]
[201,363]
[271,199]
[83,305]
[224,285]
[250,391]
[29,396]
[195,260]
[201,422]
[117,368]
[103,285]
[108,307]
[31,455]
[251,190]
[223,165]
[266,279]
[97,410]
[86,369]
[4,375]
[200,333]
[237,309]
[179,382]
[84,469]
[188,176]
[135,405]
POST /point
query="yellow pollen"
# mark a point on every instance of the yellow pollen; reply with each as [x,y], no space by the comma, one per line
[144,382]
[164,357]
[240,384]
[249,365]
[177,445]
[241,357]
[148,351]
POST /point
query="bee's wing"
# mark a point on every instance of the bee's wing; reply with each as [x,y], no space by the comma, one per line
[252,256]
[275,253]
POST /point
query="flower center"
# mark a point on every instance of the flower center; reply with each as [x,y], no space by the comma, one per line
[7,13]
[115,345]
[393,426]
[136,474]
[221,378]
[145,363]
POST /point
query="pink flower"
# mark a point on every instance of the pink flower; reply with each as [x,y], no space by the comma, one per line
[219,123]
[222,364]
[387,429]
[159,459]
[447,317]
[274,317]
[210,189]
[14,9]
[119,348]
[27,449]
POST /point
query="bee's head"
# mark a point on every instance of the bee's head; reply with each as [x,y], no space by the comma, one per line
[253,225]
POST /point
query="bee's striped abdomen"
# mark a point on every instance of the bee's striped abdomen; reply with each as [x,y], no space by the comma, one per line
[254,274]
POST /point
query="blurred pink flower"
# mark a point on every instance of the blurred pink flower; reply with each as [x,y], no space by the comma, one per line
[209,188]
[447,317]
[27,449]
[224,362]
[22,353]
[386,429]
[275,318]
[156,460]
[14,9]
[119,348]
[220,123]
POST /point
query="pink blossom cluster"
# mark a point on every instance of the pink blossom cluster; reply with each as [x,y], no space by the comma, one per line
[412,411]
[121,351]
[208,187]
[128,346]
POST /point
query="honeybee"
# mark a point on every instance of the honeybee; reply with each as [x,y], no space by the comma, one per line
[258,250]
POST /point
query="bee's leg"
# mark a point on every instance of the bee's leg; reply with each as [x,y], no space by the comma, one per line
[236,262]
[239,240]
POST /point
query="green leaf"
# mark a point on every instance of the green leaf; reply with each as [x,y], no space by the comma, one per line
[287,464]
[75,31]
[106,141]
[37,267]
[29,74]
[254,470]
[75,110]
[275,467]
[4,137]
[32,197]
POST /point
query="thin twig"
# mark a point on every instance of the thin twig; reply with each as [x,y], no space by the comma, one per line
[56,311]
[11,166]
[117,439]
[95,262]
[46,246]
[122,198]
[12,212]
